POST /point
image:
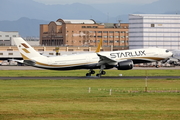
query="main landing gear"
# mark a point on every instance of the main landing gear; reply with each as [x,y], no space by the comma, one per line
[91,71]
[101,72]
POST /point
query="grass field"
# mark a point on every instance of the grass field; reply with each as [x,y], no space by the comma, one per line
[71,100]
[156,72]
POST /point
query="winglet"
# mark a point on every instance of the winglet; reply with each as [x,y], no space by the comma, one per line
[99,46]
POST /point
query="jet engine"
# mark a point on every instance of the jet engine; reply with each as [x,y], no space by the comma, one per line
[125,65]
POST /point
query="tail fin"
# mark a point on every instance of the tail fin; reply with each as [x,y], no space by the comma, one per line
[99,46]
[26,51]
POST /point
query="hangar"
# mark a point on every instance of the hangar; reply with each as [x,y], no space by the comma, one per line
[154,30]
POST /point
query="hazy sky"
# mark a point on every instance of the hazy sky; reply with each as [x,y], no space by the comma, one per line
[94,1]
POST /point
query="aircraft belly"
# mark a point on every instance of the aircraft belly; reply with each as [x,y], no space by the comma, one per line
[146,60]
[85,66]
[70,65]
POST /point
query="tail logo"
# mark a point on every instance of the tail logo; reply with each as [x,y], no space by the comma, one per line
[23,44]
[25,50]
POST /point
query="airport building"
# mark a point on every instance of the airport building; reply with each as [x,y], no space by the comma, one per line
[6,38]
[71,36]
[154,30]
[33,41]
[84,33]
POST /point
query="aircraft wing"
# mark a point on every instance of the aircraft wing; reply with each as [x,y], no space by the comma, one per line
[105,60]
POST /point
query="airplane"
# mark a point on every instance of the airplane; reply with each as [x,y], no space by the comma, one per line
[122,60]
[175,58]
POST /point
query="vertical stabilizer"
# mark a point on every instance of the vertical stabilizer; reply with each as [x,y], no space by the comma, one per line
[26,51]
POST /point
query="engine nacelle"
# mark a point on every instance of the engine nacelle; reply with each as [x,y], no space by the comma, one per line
[125,65]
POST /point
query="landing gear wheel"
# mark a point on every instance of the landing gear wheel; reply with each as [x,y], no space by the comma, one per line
[98,75]
[157,66]
[88,74]
[92,72]
[103,72]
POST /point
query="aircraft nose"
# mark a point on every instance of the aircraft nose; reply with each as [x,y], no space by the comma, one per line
[171,54]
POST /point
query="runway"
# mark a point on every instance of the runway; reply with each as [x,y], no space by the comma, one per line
[34,68]
[83,77]
[89,78]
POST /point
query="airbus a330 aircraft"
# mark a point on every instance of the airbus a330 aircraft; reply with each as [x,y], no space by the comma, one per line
[122,60]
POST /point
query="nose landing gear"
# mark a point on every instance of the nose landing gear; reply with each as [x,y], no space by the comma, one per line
[157,66]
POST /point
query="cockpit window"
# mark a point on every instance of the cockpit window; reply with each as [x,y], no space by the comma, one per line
[167,50]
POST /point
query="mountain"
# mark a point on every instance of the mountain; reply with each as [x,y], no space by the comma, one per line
[25,26]
[158,7]
[25,16]
[15,9]
[34,10]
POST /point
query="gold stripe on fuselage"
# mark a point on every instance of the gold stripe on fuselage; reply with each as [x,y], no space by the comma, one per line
[47,65]
[70,65]
[149,58]
[143,58]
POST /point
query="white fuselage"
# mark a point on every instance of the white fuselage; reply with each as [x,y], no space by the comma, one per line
[68,61]
[90,60]
[122,60]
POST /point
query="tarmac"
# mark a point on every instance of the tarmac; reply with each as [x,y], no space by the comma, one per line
[34,68]
[19,68]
